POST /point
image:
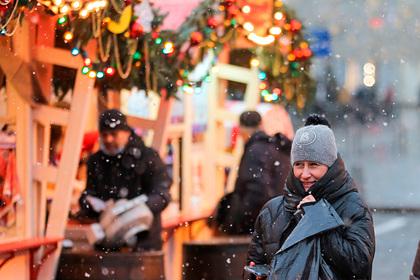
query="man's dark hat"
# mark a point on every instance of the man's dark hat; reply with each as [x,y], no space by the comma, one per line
[112,120]
[250,119]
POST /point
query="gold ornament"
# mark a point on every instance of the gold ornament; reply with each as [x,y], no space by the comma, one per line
[122,25]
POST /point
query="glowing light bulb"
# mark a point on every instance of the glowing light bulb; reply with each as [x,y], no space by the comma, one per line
[168,48]
[246,9]
[369,68]
[58,2]
[75,51]
[255,62]
[87,61]
[62,20]
[65,9]
[110,71]
[248,26]
[76,5]
[85,70]
[278,15]
[68,36]
[263,41]
[369,81]
[92,74]
[84,13]
[100,74]
[275,30]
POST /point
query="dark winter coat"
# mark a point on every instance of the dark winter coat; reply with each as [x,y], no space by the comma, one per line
[347,250]
[137,170]
[262,172]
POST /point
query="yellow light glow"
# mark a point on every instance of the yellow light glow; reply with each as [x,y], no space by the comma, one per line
[278,4]
[304,45]
[246,9]
[369,69]
[92,74]
[275,30]
[263,41]
[65,9]
[248,26]
[278,15]
[76,5]
[68,36]
[369,81]
[84,13]
[54,9]
[188,90]
[58,2]
[255,62]
[291,57]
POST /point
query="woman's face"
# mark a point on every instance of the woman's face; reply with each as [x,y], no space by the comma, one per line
[308,172]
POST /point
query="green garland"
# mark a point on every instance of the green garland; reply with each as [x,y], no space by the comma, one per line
[161,60]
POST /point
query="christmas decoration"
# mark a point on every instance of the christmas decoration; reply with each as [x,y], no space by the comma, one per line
[283,56]
[118,27]
[132,51]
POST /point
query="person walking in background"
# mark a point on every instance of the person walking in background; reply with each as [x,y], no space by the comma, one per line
[321,229]
[261,175]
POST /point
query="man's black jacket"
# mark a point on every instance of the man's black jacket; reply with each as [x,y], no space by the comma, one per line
[137,170]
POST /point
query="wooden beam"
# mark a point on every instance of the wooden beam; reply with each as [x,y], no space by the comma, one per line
[160,135]
[186,155]
[45,173]
[57,56]
[68,167]
[43,113]
[141,122]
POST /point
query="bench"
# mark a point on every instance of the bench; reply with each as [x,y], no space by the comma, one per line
[221,258]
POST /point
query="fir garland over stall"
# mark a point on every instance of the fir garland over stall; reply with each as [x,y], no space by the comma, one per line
[133,51]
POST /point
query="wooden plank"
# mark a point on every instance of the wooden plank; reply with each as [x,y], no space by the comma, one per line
[27,244]
[45,173]
[233,73]
[141,122]
[46,35]
[160,135]
[187,174]
[43,113]
[216,156]
[57,56]
[68,167]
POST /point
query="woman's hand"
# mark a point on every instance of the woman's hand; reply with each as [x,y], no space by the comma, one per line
[306,199]
[257,277]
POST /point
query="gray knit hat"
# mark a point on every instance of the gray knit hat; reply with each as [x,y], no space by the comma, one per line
[314,143]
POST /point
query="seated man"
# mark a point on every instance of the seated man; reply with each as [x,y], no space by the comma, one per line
[125,169]
[262,173]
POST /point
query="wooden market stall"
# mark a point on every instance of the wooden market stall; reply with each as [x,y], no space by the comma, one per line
[28,56]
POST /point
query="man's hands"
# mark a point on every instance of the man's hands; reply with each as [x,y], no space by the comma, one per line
[306,199]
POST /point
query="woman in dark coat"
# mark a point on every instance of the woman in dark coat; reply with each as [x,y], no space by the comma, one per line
[318,175]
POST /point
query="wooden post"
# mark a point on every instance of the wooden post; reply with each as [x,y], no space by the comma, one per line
[68,168]
[186,152]
[216,156]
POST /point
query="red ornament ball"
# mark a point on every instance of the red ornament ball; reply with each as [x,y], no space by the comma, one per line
[196,38]
[136,30]
[295,25]
[212,22]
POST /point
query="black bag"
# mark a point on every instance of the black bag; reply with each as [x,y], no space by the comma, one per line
[415,272]
[228,214]
[300,255]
